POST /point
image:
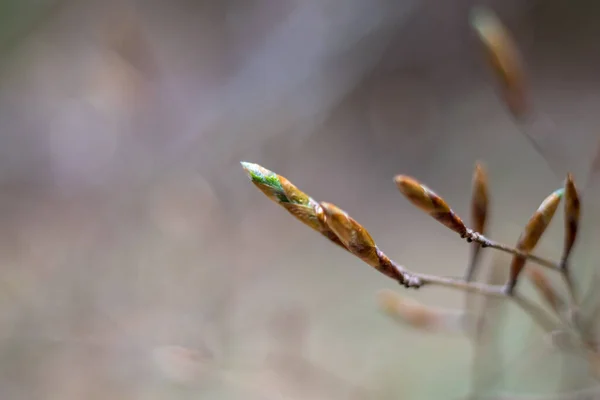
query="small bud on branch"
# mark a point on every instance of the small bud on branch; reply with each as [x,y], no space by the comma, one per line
[532,233]
[479,211]
[428,201]
[572,216]
[420,316]
[505,59]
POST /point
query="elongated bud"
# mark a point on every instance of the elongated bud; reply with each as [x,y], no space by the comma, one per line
[545,288]
[420,316]
[534,230]
[359,242]
[267,181]
[356,238]
[504,58]
[480,199]
[329,220]
[428,201]
[539,221]
[479,211]
[296,202]
[572,216]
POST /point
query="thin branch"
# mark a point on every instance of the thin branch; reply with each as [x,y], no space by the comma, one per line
[537,313]
[472,287]
[417,280]
[473,261]
[570,286]
[339,227]
[476,237]
[472,236]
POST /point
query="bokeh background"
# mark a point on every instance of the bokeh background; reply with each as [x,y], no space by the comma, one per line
[138,262]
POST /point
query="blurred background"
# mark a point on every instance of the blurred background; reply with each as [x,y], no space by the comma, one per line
[138,261]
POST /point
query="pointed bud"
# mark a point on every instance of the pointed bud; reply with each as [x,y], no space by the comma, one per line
[420,316]
[359,242]
[267,181]
[534,230]
[504,58]
[572,216]
[350,232]
[479,211]
[296,202]
[479,199]
[428,201]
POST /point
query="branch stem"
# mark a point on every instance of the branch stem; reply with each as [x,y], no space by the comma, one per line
[569,284]
[472,236]
[453,283]
[537,313]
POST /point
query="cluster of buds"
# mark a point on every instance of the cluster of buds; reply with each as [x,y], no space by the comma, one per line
[337,226]
[565,317]
[331,221]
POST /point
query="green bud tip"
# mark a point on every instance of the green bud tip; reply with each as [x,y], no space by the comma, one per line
[261,175]
[266,179]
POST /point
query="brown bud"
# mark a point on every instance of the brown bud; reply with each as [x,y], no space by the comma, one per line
[532,233]
[293,194]
[428,201]
[418,315]
[283,192]
[572,216]
[479,199]
[304,214]
[504,58]
[479,210]
[359,242]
